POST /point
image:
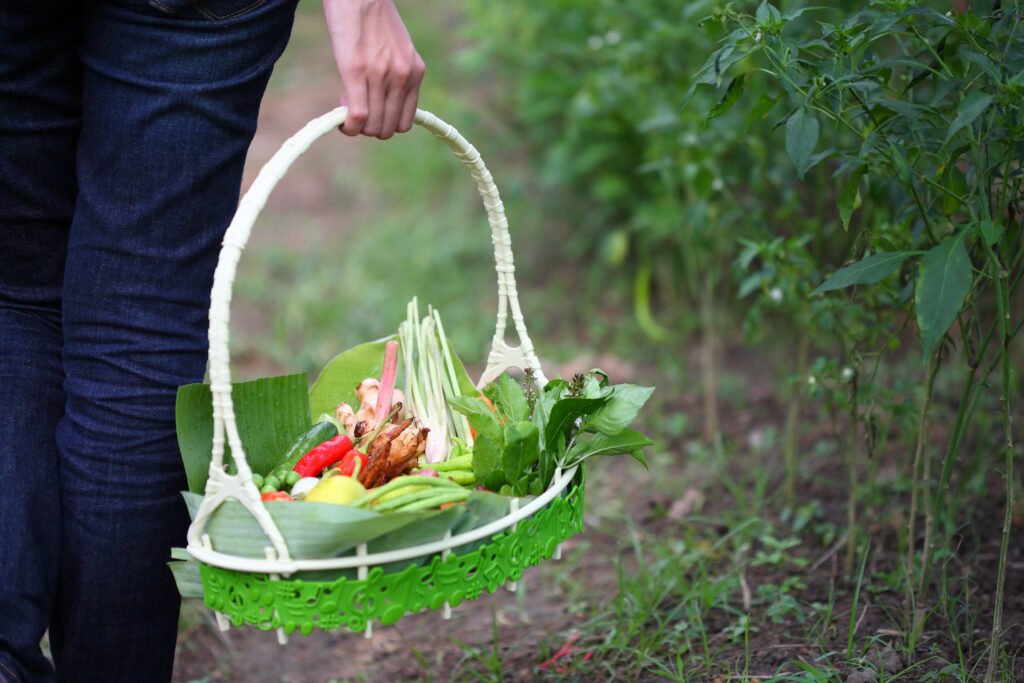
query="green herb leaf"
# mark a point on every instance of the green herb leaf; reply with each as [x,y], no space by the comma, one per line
[621,408]
[866,271]
[271,413]
[626,441]
[510,399]
[564,414]
[480,416]
[487,462]
[943,282]
[343,373]
[801,139]
[522,449]
[639,457]
[549,395]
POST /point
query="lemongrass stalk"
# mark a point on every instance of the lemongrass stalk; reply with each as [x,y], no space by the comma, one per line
[437,439]
[459,422]
[423,407]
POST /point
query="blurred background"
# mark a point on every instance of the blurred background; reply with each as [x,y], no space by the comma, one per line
[676,246]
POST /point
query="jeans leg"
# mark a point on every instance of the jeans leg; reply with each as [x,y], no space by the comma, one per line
[170,107]
[40,111]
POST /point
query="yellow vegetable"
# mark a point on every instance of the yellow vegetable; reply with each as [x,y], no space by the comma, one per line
[336,489]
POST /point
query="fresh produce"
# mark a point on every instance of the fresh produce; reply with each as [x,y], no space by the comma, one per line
[531,433]
[399,493]
[458,469]
[304,486]
[394,451]
[387,381]
[377,398]
[461,462]
[408,493]
[313,437]
[337,489]
[323,456]
[268,496]
[511,439]
[352,464]
[430,378]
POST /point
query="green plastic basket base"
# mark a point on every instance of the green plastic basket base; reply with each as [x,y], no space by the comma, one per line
[257,600]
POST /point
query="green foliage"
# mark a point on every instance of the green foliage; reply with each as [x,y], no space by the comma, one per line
[901,123]
[519,445]
[660,193]
[924,106]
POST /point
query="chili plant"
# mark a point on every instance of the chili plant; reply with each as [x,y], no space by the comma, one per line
[659,195]
[922,108]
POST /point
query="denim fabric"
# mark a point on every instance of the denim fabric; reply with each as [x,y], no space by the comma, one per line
[123,132]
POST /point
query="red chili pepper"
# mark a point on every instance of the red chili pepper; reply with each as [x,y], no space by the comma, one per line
[323,456]
[275,495]
[352,464]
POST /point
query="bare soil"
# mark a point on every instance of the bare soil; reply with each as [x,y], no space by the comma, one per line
[543,618]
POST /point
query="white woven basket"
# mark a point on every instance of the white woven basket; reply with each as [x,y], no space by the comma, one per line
[222,486]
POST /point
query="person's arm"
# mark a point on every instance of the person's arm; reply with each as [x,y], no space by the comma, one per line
[379,67]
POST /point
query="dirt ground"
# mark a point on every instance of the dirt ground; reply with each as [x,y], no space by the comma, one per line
[543,618]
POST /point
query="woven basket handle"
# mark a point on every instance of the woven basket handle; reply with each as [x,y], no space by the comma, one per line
[502,355]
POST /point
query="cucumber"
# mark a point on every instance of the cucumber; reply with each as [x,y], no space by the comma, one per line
[316,435]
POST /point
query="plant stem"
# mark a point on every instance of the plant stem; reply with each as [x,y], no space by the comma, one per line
[1002,307]
[922,437]
[851,495]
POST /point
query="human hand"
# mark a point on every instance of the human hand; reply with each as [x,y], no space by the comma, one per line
[379,67]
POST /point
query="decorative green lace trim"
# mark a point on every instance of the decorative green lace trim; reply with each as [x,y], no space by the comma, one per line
[257,600]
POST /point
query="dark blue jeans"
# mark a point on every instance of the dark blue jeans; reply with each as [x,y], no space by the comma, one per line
[124,127]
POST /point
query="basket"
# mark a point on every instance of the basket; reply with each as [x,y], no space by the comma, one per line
[370,587]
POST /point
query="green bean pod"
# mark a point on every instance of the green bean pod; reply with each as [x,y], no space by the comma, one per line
[399,482]
[463,462]
[441,498]
[404,500]
[463,477]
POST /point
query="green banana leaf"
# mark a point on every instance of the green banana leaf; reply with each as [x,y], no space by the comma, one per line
[338,380]
[186,573]
[311,530]
[343,373]
[271,413]
[322,530]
